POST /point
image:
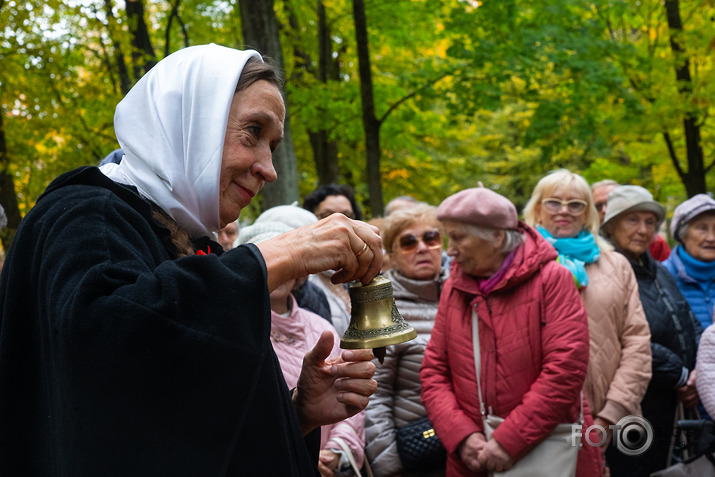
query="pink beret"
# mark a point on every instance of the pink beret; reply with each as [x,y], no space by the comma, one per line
[479,206]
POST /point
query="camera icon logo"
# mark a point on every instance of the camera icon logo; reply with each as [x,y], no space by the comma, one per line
[632,435]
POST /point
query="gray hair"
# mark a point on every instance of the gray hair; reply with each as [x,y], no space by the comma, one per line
[405,198]
[683,231]
[603,183]
[513,238]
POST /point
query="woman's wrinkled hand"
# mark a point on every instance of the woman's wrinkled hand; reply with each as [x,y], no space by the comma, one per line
[494,457]
[688,394]
[350,247]
[469,450]
[596,436]
[331,390]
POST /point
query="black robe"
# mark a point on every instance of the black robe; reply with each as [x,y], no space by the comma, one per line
[116,358]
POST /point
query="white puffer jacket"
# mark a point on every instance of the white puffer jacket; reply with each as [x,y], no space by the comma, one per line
[397,399]
[705,370]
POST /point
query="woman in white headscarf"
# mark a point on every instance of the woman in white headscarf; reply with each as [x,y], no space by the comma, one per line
[128,346]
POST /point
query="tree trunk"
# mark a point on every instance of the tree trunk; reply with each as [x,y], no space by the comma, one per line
[125,83]
[167,35]
[8,198]
[694,177]
[325,152]
[370,123]
[260,31]
[143,56]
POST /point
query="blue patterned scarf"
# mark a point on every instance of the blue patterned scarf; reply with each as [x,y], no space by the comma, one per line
[574,253]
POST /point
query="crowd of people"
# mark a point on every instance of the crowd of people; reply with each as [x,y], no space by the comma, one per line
[145,330]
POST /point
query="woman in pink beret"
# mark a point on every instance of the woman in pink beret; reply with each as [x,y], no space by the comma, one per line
[510,338]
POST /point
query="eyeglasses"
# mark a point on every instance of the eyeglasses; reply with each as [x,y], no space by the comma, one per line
[409,242]
[328,213]
[573,206]
[600,206]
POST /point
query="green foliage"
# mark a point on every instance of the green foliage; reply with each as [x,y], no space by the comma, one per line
[501,93]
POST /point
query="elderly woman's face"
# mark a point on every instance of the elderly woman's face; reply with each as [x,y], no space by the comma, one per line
[417,252]
[632,233]
[699,241]
[254,130]
[562,220]
[475,256]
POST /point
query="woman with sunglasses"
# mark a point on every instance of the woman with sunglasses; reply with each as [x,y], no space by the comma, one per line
[412,239]
[619,369]
[509,306]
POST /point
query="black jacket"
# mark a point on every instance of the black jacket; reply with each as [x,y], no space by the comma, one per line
[675,333]
[116,358]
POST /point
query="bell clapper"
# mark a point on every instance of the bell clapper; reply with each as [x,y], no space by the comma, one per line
[380,353]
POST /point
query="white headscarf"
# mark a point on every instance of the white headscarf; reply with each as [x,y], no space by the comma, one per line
[171,127]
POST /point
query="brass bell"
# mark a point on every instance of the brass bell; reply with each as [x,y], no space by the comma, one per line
[375,321]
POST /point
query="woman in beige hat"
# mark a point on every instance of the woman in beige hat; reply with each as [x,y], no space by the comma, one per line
[632,218]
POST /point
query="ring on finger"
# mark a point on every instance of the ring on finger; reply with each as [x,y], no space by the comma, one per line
[364,249]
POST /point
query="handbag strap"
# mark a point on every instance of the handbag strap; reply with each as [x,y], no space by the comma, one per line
[478,367]
[477,359]
[346,449]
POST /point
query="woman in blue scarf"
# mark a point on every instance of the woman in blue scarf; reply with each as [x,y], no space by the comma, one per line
[562,210]
[692,261]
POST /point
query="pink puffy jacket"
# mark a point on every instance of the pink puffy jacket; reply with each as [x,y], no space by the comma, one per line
[292,337]
[533,336]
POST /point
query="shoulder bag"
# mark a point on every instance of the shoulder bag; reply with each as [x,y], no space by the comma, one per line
[419,448]
[555,456]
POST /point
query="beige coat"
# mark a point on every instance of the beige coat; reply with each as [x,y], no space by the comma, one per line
[619,367]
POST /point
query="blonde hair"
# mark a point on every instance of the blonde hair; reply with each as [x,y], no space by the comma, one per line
[561,179]
[400,219]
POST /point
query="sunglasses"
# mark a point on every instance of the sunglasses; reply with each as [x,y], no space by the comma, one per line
[600,206]
[409,242]
[573,206]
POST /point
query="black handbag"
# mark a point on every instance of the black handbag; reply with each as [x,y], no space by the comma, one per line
[419,447]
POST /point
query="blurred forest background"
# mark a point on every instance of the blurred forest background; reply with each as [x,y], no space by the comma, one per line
[391,97]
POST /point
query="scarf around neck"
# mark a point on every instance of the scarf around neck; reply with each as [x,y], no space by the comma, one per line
[574,253]
[701,271]
[171,127]
[486,285]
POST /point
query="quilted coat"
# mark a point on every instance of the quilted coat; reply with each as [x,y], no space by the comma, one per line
[699,293]
[705,375]
[675,333]
[292,337]
[533,337]
[619,368]
[397,400]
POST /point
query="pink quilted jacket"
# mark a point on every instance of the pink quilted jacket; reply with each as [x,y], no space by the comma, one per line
[292,337]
